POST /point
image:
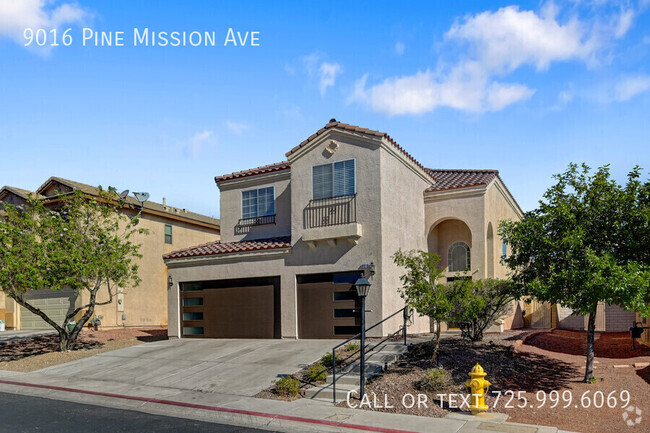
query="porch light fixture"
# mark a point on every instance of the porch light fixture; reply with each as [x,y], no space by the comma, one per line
[363,287]
[170,281]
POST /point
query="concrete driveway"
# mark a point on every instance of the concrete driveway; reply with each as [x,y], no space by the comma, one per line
[236,367]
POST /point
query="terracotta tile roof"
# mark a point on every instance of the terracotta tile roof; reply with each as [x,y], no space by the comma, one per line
[333,123]
[460,178]
[92,190]
[215,248]
[253,171]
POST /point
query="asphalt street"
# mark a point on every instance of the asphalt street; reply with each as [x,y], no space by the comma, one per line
[20,413]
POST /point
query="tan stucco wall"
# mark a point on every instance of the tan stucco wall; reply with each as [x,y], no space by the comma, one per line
[231,206]
[472,215]
[146,304]
[453,213]
[402,225]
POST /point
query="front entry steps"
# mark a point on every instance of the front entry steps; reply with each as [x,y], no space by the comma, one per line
[348,380]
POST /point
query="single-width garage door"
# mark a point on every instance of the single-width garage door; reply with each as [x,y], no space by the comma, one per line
[328,306]
[235,311]
[56,304]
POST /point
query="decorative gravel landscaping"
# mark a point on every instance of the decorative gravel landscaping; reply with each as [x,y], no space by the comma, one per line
[41,352]
[552,377]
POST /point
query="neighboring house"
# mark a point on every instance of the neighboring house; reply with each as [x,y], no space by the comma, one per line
[295,235]
[145,305]
[609,318]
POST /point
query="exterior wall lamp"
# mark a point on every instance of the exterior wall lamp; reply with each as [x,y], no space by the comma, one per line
[170,281]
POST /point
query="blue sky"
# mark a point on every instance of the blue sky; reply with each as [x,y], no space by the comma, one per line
[523,87]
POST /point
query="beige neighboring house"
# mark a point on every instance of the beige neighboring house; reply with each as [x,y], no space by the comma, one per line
[295,235]
[145,305]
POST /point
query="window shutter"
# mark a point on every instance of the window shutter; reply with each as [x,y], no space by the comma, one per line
[344,177]
[322,181]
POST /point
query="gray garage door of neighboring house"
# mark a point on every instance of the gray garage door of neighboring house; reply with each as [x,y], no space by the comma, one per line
[56,304]
[328,305]
[242,308]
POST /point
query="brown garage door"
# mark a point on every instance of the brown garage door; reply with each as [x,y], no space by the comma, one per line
[229,312]
[328,310]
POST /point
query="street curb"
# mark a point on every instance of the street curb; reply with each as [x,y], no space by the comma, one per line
[211,408]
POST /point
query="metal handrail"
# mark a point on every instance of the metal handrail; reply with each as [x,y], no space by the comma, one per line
[407,312]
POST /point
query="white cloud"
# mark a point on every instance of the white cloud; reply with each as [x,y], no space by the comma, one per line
[236,127]
[624,22]
[328,72]
[320,72]
[492,45]
[630,87]
[424,92]
[501,95]
[509,38]
[17,15]
[563,99]
[195,144]
[399,48]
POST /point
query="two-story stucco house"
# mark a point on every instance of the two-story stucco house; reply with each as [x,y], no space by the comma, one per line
[294,236]
[146,305]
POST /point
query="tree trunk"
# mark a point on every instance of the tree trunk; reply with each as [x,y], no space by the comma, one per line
[64,341]
[436,343]
[591,329]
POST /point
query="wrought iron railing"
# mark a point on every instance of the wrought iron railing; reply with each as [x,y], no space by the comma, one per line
[331,211]
[256,221]
[407,315]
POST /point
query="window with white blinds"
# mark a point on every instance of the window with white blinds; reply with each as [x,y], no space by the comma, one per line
[334,180]
[258,202]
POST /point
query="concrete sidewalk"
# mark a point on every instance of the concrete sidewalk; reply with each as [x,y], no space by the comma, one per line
[303,415]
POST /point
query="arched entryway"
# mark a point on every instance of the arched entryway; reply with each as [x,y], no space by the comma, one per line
[451,239]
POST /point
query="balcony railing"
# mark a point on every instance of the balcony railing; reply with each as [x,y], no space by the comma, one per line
[256,221]
[331,211]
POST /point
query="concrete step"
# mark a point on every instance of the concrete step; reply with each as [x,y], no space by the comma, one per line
[326,392]
[349,378]
[371,367]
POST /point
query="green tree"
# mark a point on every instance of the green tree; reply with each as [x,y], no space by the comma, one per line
[478,303]
[71,242]
[423,290]
[588,241]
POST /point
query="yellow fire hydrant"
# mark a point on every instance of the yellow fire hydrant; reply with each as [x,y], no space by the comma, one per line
[479,388]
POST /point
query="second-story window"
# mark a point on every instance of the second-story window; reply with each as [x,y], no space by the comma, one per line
[168,234]
[258,202]
[334,179]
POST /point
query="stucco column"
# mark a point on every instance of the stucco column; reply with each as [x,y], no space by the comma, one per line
[288,306]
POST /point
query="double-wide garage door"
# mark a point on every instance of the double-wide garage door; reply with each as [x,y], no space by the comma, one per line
[230,309]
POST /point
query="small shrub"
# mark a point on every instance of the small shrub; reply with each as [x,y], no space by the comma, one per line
[436,380]
[327,360]
[317,373]
[352,346]
[288,386]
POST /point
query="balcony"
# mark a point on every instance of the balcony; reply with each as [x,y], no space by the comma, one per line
[244,225]
[325,212]
[331,219]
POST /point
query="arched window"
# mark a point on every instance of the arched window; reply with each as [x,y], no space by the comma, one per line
[458,257]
